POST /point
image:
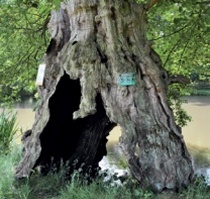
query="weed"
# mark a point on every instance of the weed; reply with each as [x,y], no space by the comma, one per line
[8,129]
[198,190]
[55,186]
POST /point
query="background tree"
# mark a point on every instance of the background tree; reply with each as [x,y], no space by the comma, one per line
[23,41]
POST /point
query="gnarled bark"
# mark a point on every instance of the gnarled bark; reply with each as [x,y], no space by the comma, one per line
[94,42]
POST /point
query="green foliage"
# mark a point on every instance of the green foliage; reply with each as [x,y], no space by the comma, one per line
[55,185]
[198,189]
[8,129]
[175,99]
[179,30]
[23,41]
[200,92]
[7,181]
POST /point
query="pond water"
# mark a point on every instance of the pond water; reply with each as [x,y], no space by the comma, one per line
[196,133]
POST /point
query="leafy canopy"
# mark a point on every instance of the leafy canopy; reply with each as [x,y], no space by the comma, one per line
[178,28]
[180,31]
[23,41]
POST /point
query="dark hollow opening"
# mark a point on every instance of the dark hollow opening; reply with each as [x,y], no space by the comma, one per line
[63,138]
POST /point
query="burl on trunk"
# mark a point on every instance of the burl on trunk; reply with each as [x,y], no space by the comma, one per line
[93,43]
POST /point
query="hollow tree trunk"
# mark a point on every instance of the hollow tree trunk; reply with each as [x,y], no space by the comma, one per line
[93,43]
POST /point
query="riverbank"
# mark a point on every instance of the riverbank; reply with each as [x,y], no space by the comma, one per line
[200,92]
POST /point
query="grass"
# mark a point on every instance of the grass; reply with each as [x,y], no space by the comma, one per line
[99,190]
[197,190]
[8,129]
[7,181]
[54,186]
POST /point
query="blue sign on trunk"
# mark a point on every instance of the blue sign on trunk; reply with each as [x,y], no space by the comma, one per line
[126,79]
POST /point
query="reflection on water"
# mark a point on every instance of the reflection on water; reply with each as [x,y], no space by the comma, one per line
[196,133]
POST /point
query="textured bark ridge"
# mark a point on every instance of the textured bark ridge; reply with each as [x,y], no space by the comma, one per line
[93,43]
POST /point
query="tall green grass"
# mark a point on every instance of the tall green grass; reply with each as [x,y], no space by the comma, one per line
[76,189]
[7,180]
[55,186]
[8,129]
[197,190]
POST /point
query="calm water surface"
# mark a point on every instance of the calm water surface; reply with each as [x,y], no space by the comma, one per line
[196,133]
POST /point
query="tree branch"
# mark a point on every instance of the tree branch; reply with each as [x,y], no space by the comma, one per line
[151,3]
[205,2]
[178,79]
[177,31]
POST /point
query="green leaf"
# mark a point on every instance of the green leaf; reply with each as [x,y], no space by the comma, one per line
[57,4]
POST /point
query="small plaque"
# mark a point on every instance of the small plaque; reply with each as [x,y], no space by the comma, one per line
[40,74]
[126,79]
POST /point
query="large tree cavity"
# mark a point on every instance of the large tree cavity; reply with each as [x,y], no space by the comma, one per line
[77,143]
[93,43]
